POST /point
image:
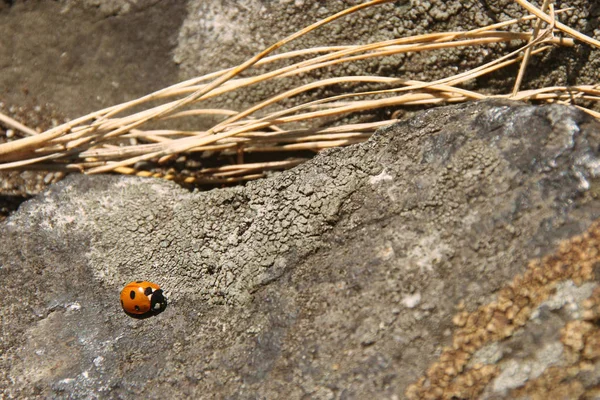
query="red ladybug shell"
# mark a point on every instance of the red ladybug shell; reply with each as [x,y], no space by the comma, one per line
[142,297]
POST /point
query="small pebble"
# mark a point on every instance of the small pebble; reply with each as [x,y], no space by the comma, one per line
[48,178]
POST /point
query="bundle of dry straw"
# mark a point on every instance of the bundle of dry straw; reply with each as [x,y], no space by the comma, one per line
[118,138]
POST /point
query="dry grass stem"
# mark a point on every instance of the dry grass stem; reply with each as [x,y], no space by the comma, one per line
[527,54]
[120,140]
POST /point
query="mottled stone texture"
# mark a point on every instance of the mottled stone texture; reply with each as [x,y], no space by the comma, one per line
[398,267]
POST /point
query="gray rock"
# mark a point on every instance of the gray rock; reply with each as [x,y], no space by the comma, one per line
[336,279]
[89,54]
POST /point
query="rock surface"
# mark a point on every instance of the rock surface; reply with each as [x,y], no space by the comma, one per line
[452,254]
[63,59]
[81,56]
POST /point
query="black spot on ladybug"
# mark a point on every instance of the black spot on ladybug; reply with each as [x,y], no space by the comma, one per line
[137,308]
[132,294]
[148,291]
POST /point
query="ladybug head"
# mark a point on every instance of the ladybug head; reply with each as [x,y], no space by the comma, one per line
[158,302]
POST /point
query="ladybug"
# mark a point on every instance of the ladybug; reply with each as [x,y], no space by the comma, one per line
[143,298]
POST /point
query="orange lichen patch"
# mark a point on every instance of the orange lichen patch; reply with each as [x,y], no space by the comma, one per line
[591,351]
[573,260]
[591,394]
[582,348]
[465,386]
[554,383]
[471,383]
[591,306]
[582,338]
[574,334]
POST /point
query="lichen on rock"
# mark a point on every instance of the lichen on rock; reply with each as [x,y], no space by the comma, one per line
[389,268]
